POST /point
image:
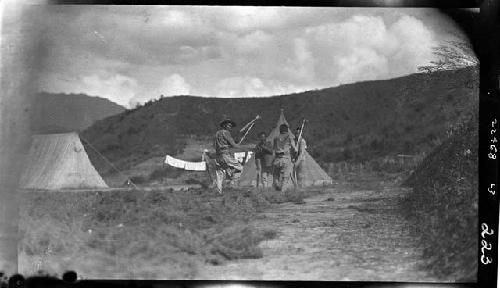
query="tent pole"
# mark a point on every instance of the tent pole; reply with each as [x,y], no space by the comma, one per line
[162,174]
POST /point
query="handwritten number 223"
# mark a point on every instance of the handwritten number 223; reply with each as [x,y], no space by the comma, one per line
[485,245]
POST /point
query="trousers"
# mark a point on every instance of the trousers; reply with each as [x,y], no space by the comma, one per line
[226,167]
[282,172]
[264,174]
[298,173]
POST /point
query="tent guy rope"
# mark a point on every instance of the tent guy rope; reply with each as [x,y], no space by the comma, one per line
[109,162]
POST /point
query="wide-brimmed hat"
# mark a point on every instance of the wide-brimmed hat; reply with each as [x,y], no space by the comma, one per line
[227,120]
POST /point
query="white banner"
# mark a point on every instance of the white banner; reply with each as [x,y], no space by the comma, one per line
[196,166]
[191,166]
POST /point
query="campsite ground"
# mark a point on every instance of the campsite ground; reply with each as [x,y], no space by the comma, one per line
[353,230]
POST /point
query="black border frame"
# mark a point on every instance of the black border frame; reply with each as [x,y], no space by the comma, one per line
[487,47]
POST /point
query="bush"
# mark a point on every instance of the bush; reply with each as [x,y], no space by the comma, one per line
[443,205]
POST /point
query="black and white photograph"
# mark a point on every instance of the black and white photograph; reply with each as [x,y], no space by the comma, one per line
[248,143]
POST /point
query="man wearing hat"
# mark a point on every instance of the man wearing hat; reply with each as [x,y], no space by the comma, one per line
[283,146]
[225,164]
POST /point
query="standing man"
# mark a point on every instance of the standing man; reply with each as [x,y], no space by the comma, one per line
[264,160]
[282,164]
[298,159]
[225,164]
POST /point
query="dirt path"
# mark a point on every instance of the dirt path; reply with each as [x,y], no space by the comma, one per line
[343,235]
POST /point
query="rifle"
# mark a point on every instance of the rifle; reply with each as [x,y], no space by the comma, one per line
[301,129]
[298,143]
[251,123]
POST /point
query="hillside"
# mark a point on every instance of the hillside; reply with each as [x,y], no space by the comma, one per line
[55,113]
[445,195]
[354,122]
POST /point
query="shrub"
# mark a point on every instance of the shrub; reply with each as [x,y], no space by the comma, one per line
[443,205]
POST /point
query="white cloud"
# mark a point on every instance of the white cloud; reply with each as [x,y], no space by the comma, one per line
[141,53]
[239,87]
[173,85]
[361,64]
[254,87]
[300,66]
[246,18]
[355,31]
[253,42]
[415,44]
[176,19]
[117,88]
[366,48]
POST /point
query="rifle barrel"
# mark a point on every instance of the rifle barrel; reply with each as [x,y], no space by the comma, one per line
[251,122]
[248,130]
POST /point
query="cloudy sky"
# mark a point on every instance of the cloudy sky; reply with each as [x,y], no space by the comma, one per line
[133,54]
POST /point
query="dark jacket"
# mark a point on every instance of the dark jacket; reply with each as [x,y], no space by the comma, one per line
[264,153]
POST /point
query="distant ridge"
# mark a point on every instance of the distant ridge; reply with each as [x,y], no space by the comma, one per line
[60,113]
[353,122]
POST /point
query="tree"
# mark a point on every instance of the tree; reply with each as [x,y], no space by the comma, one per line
[454,54]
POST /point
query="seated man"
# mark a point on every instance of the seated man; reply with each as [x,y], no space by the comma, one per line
[264,161]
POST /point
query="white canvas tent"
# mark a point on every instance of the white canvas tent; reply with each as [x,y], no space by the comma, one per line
[59,161]
[314,175]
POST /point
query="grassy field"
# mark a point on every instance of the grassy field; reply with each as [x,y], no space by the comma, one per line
[139,234]
[163,234]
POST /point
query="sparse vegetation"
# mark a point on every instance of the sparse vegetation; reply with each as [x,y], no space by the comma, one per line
[443,205]
[165,172]
[147,234]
